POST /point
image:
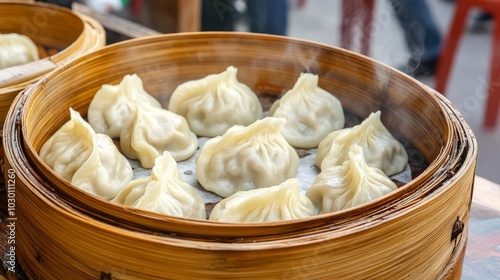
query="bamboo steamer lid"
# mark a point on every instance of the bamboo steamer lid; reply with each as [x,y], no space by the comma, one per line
[60,35]
[418,231]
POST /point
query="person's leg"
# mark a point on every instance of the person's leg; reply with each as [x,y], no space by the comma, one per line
[421,32]
[277,17]
[62,3]
[217,15]
[257,15]
[267,16]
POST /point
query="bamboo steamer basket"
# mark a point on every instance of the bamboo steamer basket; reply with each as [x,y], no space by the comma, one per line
[60,35]
[416,232]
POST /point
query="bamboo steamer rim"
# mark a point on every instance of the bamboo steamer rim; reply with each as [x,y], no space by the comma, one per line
[376,207]
[91,37]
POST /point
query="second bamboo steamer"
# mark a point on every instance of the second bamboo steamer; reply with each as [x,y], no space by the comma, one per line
[60,34]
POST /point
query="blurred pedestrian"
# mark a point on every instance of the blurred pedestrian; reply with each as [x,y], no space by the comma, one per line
[422,36]
[263,16]
[270,17]
[218,15]
[62,3]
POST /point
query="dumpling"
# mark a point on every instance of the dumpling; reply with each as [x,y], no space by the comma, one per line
[71,145]
[215,103]
[380,148]
[276,203]
[111,108]
[152,131]
[106,171]
[350,184]
[245,158]
[16,49]
[311,113]
[163,192]
[87,160]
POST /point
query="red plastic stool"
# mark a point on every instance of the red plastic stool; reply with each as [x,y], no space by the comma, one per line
[355,12]
[450,46]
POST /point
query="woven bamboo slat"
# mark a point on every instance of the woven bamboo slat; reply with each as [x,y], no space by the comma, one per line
[417,232]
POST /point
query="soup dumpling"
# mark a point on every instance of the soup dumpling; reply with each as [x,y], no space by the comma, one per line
[276,203]
[163,192]
[16,49]
[311,113]
[111,108]
[106,172]
[350,184]
[152,131]
[87,160]
[215,103]
[245,158]
[380,148]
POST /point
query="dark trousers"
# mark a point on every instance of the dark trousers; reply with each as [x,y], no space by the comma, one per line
[421,32]
[264,16]
[269,17]
[63,3]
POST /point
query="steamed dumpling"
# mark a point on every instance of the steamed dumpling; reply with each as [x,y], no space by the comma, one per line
[164,192]
[245,158]
[276,203]
[111,108]
[67,150]
[350,184]
[311,113]
[380,148]
[106,171]
[88,160]
[152,131]
[215,103]
[16,49]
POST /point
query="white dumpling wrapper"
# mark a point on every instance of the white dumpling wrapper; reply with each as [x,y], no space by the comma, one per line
[16,49]
[245,158]
[277,203]
[106,172]
[215,103]
[152,131]
[87,160]
[311,113]
[112,106]
[350,184]
[67,149]
[164,192]
[380,148]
